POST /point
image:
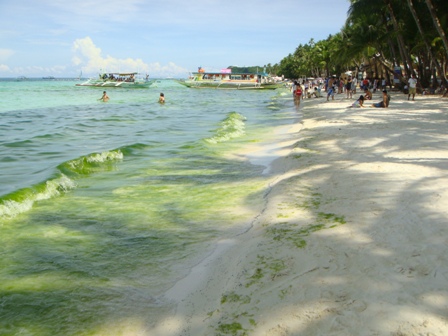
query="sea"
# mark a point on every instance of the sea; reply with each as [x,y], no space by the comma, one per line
[104,206]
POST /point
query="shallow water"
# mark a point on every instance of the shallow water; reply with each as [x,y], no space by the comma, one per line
[104,206]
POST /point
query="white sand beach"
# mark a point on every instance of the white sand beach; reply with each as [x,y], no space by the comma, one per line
[353,239]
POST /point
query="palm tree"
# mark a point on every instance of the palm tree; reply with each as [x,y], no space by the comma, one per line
[372,38]
[382,35]
[437,24]
[365,9]
[428,47]
[408,64]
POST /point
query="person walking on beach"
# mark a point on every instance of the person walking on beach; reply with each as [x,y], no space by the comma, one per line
[105,97]
[162,98]
[297,93]
[306,90]
[331,88]
[412,86]
[348,87]
[354,83]
[365,83]
[375,85]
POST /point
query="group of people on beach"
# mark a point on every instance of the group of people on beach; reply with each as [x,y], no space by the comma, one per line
[349,84]
[105,98]
[310,90]
[331,84]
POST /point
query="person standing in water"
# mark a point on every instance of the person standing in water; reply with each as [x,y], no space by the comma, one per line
[297,93]
[162,98]
[105,97]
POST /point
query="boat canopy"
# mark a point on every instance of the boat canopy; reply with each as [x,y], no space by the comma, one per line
[232,73]
[121,73]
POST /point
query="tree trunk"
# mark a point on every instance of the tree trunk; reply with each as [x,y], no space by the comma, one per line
[437,24]
[407,58]
[428,47]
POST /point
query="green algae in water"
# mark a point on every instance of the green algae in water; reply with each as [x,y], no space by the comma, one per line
[271,266]
[330,217]
[235,298]
[116,244]
[95,259]
[234,329]
[259,274]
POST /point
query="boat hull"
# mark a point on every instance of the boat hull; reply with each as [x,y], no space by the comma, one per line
[229,85]
[111,84]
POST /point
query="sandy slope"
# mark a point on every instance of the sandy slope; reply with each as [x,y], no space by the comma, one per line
[353,240]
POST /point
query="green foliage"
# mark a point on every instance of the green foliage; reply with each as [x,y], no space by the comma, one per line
[270,69]
[377,36]
[250,69]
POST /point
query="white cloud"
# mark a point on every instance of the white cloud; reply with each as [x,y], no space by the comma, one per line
[5,54]
[89,58]
[171,70]
[4,68]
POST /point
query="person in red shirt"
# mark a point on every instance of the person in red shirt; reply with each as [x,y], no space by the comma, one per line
[297,92]
[365,83]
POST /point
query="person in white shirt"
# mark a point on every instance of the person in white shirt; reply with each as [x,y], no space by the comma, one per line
[412,86]
[354,82]
[359,102]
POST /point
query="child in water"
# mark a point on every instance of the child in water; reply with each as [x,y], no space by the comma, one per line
[162,98]
[105,97]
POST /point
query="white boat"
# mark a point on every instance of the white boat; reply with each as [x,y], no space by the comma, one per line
[225,79]
[119,79]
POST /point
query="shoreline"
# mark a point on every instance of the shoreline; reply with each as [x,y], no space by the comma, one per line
[351,241]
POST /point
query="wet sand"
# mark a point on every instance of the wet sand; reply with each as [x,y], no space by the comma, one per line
[353,237]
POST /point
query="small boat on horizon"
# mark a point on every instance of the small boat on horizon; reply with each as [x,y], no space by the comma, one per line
[118,79]
[225,79]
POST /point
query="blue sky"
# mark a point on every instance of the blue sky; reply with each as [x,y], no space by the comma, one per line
[164,38]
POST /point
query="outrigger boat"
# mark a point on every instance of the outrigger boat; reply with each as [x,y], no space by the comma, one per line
[118,79]
[225,79]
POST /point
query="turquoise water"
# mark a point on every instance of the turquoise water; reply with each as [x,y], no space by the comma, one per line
[104,206]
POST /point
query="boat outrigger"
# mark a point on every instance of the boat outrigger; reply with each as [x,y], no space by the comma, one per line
[225,79]
[118,79]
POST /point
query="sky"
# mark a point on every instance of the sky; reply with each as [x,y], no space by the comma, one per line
[162,38]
